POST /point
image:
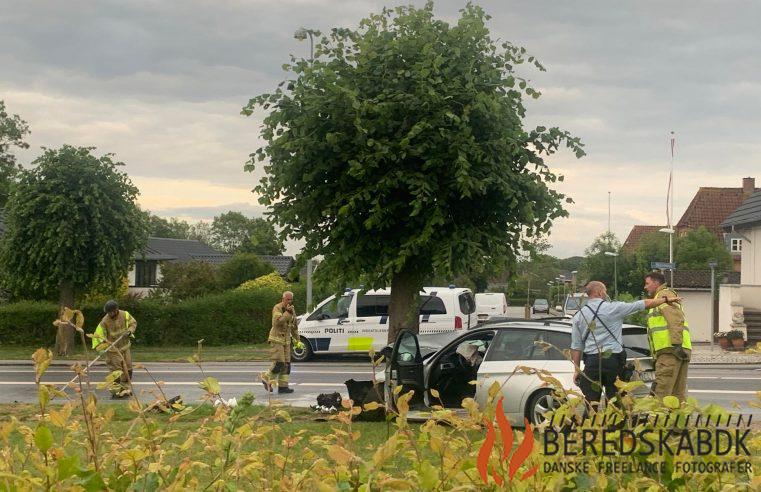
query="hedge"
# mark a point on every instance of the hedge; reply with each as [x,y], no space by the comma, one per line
[219,319]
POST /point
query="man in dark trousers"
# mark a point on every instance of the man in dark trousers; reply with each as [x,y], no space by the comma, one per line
[597,334]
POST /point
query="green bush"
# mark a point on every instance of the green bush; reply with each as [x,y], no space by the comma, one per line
[188,280]
[238,316]
[241,268]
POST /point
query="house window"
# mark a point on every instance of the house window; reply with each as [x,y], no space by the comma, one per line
[145,273]
[736,245]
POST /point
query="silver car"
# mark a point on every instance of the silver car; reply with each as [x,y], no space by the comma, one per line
[490,353]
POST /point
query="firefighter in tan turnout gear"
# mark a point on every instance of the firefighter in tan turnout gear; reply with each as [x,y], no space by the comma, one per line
[117,326]
[669,336]
[284,330]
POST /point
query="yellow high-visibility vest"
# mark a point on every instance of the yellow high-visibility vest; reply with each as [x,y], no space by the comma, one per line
[658,330]
[100,334]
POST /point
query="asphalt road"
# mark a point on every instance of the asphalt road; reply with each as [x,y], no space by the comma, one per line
[723,385]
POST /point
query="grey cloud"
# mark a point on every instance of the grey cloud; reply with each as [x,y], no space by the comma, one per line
[208,213]
[161,83]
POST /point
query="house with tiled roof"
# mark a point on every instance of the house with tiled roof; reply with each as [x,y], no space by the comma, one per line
[740,305]
[636,235]
[710,207]
[146,272]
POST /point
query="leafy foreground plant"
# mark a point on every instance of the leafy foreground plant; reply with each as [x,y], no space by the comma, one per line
[76,446]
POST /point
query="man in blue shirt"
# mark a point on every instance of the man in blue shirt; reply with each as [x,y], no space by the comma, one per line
[597,329]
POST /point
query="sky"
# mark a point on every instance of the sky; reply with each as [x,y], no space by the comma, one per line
[161,84]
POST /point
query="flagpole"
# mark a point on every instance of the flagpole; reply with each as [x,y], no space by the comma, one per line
[671,211]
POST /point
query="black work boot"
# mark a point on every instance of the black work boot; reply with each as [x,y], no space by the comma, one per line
[285,389]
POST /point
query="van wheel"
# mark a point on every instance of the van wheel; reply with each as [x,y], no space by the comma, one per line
[302,355]
[539,403]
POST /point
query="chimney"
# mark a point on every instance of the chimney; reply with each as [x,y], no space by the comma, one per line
[749,187]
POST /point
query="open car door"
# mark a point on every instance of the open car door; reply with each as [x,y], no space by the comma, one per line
[405,370]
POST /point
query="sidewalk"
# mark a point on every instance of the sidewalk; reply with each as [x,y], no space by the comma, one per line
[705,354]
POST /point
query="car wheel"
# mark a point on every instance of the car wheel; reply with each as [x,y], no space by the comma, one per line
[302,355]
[540,402]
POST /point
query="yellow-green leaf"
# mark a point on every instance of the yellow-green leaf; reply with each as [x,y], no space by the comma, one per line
[43,438]
[671,401]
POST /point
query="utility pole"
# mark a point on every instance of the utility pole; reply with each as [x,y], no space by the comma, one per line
[309,284]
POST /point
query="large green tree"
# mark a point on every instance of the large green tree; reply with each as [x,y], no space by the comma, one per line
[233,232]
[699,246]
[263,239]
[241,268]
[72,224]
[400,152]
[12,131]
[172,228]
[599,266]
[634,265]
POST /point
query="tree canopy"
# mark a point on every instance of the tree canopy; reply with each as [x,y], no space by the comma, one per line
[597,265]
[172,228]
[699,246]
[72,224]
[400,152]
[241,268]
[233,232]
[12,131]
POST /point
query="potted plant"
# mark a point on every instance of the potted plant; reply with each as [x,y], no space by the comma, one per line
[737,338]
[723,340]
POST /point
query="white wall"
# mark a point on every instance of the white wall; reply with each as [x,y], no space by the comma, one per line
[750,274]
[751,296]
[697,310]
[729,299]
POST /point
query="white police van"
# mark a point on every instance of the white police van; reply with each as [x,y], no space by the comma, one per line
[358,320]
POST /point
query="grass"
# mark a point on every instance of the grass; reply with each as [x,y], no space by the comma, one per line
[169,353]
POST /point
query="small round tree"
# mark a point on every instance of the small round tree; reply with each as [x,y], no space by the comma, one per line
[242,267]
[72,224]
[400,151]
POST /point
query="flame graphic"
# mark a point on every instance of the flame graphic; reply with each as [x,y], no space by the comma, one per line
[520,455]
[482,463]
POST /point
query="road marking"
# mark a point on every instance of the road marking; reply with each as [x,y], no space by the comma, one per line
[738,392]
[179,383]
[725,378]
[207,371]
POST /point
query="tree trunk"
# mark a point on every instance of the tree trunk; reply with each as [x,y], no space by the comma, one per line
[403,306]
[64,338]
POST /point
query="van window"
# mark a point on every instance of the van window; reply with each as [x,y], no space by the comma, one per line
[334,309]
[431,305]
[372,305]
[467,303]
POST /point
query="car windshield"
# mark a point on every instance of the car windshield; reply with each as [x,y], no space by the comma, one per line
[575,303]
[540,302]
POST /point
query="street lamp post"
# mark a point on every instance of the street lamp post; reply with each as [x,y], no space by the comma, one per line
[301,34]
[615,272]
